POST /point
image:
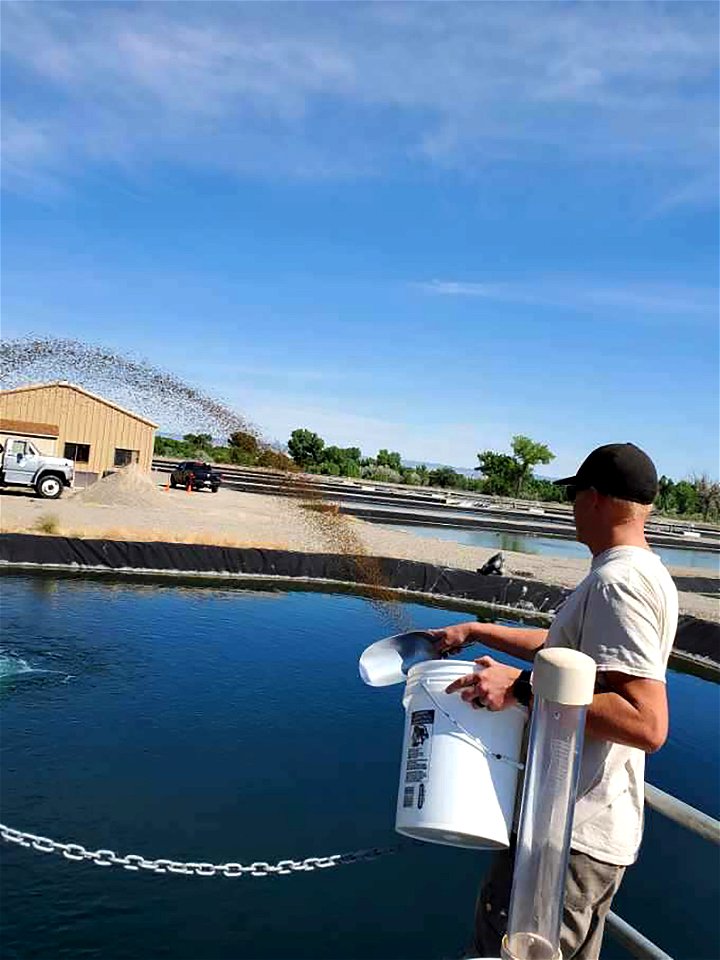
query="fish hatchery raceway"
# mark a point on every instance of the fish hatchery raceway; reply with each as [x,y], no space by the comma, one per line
[134,520]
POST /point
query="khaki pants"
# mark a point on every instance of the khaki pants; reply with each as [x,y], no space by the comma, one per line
[590,887]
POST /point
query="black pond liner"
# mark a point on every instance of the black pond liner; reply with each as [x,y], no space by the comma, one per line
[696,639]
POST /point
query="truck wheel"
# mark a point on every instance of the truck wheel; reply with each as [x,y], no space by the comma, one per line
[214,489]
[49,488]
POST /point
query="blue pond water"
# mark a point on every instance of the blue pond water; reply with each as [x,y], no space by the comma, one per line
[227,725]
[552,546]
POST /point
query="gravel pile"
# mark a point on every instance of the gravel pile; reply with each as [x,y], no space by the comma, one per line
[130,487]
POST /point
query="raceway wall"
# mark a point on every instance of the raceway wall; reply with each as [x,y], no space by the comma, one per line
[697,639]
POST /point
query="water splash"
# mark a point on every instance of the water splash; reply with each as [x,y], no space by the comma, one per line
[11,667]
[14,667]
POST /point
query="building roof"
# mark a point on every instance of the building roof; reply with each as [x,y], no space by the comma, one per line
[72,386]
[26,427]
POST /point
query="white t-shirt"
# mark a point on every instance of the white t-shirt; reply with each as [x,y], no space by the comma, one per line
[624,615]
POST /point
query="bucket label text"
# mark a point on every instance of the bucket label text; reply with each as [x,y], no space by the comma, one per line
[418,756]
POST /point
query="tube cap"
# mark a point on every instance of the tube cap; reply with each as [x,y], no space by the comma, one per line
[564,676]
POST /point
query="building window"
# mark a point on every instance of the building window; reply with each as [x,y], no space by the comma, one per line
[79,452]
[124,457]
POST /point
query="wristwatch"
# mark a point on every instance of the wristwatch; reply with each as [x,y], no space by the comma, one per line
[522,688]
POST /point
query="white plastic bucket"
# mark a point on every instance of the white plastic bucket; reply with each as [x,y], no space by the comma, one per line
[460,765]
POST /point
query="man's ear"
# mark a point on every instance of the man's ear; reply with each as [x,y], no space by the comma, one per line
[596,499]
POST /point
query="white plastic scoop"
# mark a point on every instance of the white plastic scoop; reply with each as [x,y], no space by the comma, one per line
[387,661]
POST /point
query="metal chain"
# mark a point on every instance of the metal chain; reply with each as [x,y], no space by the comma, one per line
[133,861]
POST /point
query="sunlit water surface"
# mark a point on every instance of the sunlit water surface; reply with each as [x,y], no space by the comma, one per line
[222,725]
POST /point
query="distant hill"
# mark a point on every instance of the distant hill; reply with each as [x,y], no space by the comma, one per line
[466,471]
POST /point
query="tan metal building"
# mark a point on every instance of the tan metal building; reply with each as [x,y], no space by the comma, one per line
[64,420]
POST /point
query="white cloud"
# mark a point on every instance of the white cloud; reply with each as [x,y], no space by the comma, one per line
[699,191]
[586,295]
[340,89]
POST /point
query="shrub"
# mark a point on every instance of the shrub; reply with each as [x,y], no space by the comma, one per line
[384,474]
[276,460]
[48,523]
[247,442]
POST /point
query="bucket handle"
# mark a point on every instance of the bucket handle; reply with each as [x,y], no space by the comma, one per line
[475,741]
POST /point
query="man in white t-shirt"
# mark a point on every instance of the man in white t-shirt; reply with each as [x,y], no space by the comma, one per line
[623,615]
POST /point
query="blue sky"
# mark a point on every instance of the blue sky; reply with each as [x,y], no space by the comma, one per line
[422,226]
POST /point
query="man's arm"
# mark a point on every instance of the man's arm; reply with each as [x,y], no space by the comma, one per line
[633,711]
[515,641]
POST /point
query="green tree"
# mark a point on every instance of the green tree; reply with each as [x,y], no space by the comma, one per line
[385,474]
[170,447]
[444,477]
[538,489]
[707,494]
[221,455]
[389,458]
[199,441]
[242,458]
[686,498]
[244,441]
[306,448]
[411,477]
[341,461]
[500,471]
[665,500]
[275,459]
[527,453]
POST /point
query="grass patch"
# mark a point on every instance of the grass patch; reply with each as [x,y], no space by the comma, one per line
[48,523]
[149,535]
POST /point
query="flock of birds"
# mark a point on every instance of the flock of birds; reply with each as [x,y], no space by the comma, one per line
[154,393]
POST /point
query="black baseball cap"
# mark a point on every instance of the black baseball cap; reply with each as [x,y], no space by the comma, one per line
[619,470]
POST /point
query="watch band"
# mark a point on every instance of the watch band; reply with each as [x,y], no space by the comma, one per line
[522,688]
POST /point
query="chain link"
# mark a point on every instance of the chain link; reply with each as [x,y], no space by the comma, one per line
[134,862]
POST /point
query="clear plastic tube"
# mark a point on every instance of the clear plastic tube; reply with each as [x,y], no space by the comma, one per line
[536,904]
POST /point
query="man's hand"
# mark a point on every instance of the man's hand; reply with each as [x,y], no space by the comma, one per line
[451,639]
[490,687]
[518,642]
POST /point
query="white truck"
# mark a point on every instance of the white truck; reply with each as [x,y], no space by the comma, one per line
[22,465]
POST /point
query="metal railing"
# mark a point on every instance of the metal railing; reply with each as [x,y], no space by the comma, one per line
[682,813]
[691,819]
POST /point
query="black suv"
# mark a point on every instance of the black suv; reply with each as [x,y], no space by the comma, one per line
[197,475]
